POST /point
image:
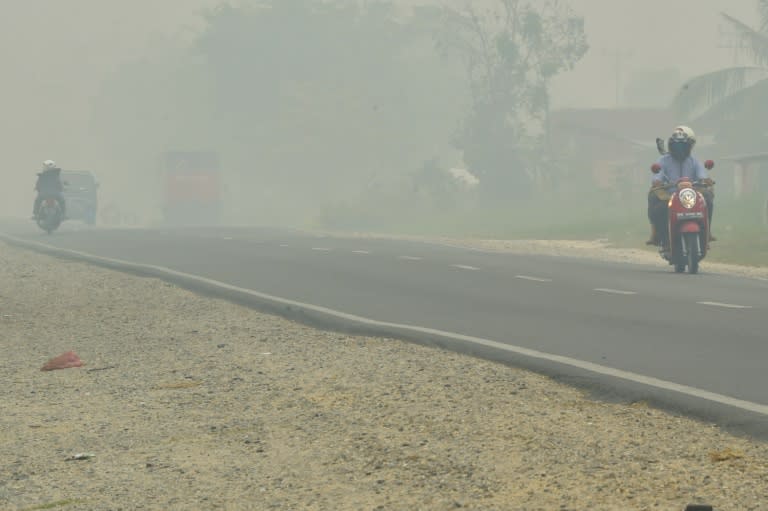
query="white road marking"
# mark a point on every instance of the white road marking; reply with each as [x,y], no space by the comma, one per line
[464,267]
[284,246]
[409,258]
[168,273]
[364,252]
[228,238]
[533,279]
[725,305]
[321,249]
[614,291]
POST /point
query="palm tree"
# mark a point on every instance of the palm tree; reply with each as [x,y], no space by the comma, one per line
[731,93]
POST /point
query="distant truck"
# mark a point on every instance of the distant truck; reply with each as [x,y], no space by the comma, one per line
[192,187]
[80,195]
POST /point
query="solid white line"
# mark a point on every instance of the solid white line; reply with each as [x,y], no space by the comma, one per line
[365,252]
[580,364]
[614,291]
[464,267]
[533,279]
[284,246]
[321,249]
[228,238]
[409,258]
[725,305]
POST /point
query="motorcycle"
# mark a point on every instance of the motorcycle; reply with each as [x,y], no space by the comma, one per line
[688,222]
[50,216]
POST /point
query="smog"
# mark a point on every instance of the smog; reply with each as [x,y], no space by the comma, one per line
[374,254]
[366,127]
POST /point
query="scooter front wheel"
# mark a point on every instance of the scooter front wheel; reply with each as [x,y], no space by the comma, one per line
[692,244]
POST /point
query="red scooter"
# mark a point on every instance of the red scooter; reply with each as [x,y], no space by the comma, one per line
[688,227]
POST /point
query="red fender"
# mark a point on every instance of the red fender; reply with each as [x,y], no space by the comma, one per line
[689,227]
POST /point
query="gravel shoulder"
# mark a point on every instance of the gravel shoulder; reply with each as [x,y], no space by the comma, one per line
[188,402]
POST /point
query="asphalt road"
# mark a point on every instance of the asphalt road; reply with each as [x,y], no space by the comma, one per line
[705,331]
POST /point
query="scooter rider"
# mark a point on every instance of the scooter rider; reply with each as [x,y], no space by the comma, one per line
[674,165]
[49,185]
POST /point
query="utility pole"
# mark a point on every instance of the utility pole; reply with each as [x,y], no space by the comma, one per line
[618,57]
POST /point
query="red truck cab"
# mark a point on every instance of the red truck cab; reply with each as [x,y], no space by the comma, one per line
[192,187]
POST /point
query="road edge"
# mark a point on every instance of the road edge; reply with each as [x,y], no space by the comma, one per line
[601,382]
[608,253]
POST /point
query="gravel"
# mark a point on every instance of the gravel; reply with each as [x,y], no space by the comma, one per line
[187,402]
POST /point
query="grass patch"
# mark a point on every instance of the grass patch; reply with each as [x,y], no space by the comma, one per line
[737,250]
[621,220]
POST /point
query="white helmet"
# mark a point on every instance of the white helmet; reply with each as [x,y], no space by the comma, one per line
[683,134]
[49,164]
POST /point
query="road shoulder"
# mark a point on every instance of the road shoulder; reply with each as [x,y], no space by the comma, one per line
[186,400]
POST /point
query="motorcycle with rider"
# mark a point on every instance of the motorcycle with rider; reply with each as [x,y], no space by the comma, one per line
[681,202]
[49,208]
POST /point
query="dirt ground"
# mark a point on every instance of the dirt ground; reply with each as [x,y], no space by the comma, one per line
[186,402]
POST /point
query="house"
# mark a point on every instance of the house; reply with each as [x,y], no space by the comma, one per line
[617,146]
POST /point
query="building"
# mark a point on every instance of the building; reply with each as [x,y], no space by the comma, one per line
[616,146]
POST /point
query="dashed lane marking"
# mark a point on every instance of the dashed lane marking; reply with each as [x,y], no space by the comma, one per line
[532,279]
[614,291]
[725,305]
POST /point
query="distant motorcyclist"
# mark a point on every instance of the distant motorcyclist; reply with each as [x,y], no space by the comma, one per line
[676,164]
[49,186]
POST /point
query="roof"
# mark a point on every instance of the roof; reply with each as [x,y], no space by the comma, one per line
[746,157]
[701,141]
[630,124]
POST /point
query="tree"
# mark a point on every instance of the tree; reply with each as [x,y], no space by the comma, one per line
[325,94]
[734,93]
[304,100]
[512,50]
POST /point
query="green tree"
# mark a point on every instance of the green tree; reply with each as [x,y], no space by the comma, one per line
[512,50]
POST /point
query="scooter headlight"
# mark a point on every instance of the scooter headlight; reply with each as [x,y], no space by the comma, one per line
[687,198]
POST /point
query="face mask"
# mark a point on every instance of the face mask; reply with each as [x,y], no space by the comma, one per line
[679,150]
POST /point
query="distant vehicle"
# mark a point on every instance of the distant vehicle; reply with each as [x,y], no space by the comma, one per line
[192,188]
[80,195]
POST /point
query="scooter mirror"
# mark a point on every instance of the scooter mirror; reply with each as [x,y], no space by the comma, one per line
[709,164]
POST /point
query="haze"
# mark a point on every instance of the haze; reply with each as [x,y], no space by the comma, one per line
[59,58]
